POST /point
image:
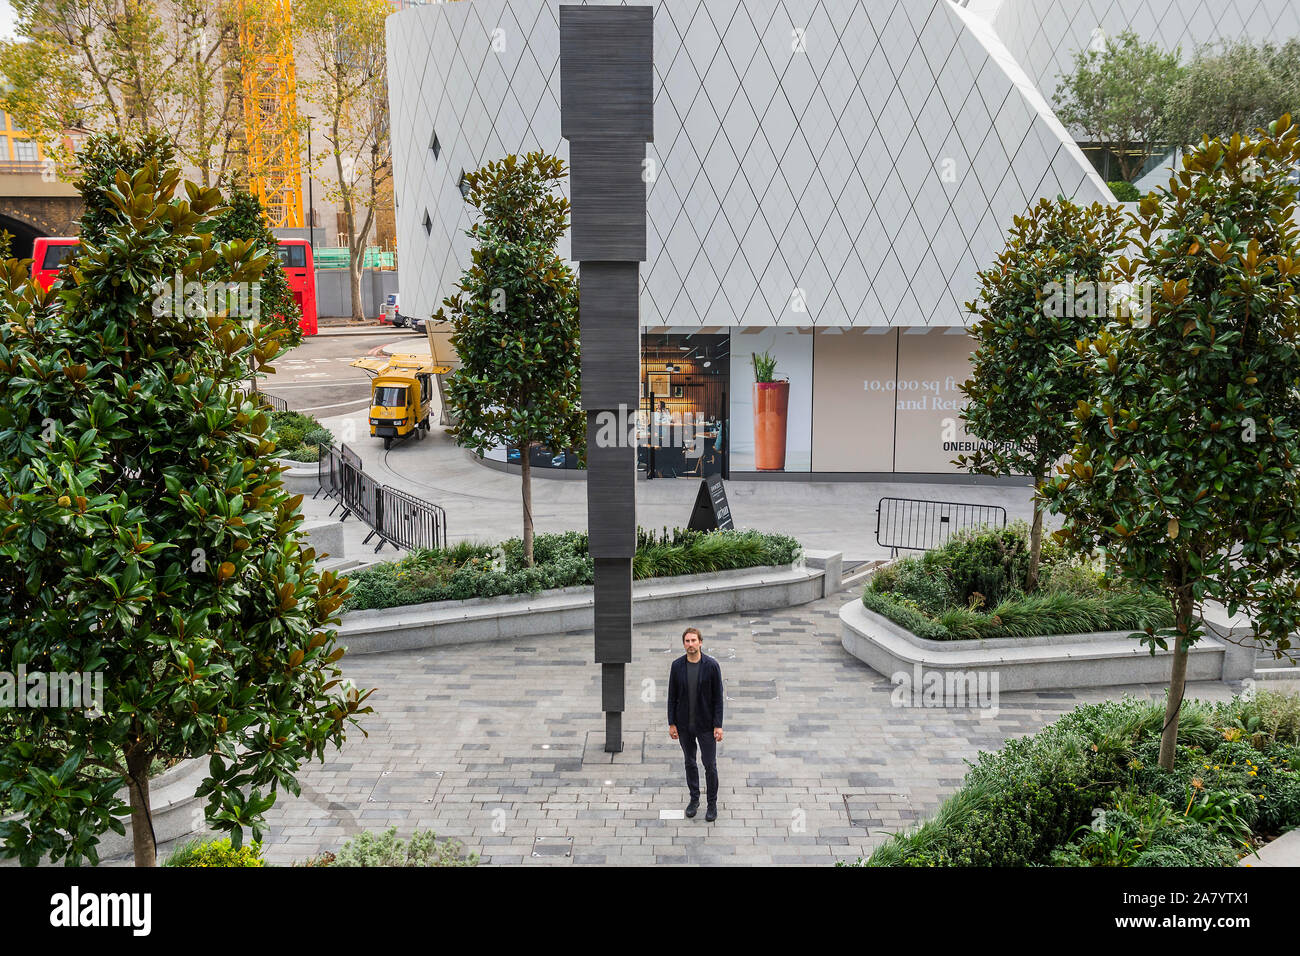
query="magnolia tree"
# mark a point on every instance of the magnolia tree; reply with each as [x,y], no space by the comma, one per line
[515,320]
[1052,285]
[145,535]
[245,219]
[1185,464]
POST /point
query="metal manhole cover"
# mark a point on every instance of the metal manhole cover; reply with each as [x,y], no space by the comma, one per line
[553,846]
[406,787]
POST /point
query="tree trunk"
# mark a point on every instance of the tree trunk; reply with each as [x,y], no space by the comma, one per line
[1035,546]
[526,476]
[1177,681]
[142,836]
[354,270]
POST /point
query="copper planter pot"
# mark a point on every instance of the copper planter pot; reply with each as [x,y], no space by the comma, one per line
[771,407]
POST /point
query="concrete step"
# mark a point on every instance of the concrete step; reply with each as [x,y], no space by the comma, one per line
[343,565]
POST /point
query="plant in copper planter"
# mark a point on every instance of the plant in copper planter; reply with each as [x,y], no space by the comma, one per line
[771,404]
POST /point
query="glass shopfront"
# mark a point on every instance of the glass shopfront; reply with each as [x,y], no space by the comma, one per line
[833,401]
[682,422]
[839,402]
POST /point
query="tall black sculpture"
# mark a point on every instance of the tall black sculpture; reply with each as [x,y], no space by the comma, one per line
[607,115]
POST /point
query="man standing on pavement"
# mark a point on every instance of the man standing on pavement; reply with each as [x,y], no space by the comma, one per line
[695,716]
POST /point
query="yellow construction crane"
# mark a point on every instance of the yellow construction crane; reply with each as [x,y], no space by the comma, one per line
[271,110]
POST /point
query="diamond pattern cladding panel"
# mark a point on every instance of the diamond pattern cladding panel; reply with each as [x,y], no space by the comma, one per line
[817,162]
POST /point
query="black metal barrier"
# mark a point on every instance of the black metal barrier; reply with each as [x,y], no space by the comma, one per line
[914,525]
[393,516]
[329,472]
[274,402]
[408,522]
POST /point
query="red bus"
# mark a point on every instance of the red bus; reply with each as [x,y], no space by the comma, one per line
[50,252]
[300,269]
[48,255]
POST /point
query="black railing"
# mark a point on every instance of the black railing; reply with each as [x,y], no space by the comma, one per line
[393,516]
[913,525]
[274,402]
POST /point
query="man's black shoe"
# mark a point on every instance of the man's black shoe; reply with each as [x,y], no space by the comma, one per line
[711,813]
[692,807]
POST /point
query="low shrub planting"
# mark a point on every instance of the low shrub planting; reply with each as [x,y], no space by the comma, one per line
[385,849]
[1087,791]
[474,570]
[216,853]
[974,587]
[298,437]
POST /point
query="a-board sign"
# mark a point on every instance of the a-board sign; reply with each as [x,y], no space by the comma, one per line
[711,511]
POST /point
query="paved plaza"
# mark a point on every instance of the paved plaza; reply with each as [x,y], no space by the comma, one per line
[498,745]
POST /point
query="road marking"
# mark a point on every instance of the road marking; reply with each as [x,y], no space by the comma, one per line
[279,388]
[359,402]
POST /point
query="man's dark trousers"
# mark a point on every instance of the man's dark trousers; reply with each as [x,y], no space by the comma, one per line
[708,748]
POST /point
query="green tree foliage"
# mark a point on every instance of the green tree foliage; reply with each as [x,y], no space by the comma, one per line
[515,320]
[129,67]
[1125,192]
[1116,96]
[245,219]
[1049,288]
[1185,464]
[344,76]
[145,534]
[1234,88]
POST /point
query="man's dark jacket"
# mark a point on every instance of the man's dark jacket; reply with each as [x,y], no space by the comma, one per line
[708,702]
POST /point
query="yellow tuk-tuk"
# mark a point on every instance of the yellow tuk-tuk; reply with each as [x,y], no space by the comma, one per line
[400,394]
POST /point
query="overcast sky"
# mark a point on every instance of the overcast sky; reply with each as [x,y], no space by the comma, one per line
[6,20]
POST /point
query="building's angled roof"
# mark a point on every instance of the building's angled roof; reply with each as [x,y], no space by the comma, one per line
[865,177]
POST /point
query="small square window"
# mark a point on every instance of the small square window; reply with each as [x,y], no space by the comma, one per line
[427,223]
[463,186]
[435,146]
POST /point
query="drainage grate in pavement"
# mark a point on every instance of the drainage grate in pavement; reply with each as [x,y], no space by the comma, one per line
[751,690]
[553,846]
[405,787]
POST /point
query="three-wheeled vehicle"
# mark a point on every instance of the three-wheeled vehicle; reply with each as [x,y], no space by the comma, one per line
[401,392]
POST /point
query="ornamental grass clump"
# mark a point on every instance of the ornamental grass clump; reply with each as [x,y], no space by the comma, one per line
[975,586]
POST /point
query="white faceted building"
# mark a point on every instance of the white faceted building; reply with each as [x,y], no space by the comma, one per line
[828,177]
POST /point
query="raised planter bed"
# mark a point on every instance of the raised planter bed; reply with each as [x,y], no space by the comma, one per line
[1057,662]
[175,810]
[567,609]
[302,478]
